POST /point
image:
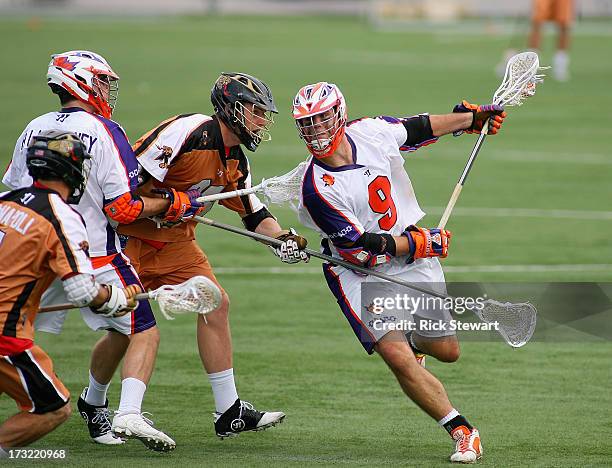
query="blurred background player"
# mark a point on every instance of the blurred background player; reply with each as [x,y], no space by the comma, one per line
[202,154]
[87,88]
[561,12]
[358,196]
[42,237]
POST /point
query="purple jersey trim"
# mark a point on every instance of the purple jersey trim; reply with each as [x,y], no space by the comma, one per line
[126,155]
[142,316]
[362,333]
[347,167]
[330,220]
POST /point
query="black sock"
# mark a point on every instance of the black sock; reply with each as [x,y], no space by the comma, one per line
[455,423]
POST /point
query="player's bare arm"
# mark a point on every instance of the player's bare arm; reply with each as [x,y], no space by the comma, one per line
[468,118]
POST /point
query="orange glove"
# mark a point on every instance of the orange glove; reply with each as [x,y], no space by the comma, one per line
[494,112]
[426,243]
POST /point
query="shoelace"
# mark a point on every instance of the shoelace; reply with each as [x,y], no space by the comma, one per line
[463,444]
[101,417]
[142,415]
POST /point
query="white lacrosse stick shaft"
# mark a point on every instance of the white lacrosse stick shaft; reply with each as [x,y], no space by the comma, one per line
[518,84]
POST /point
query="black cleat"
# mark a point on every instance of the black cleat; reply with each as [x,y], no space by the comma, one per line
[98,421]
[243,417]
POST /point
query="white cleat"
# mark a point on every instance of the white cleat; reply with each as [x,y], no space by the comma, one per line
[468,448]
[136,426]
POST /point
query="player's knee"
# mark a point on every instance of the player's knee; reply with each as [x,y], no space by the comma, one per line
[58,416]
[450,352]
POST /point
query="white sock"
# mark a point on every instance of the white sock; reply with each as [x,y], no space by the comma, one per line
[224,389]
[132,393]
[453,414]
[561,58]
[96,392]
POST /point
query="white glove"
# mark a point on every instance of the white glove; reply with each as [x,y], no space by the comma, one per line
[118,303]
[289,251]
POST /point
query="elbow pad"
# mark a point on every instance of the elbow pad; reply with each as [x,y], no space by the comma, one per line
[418,129]
[124,209]
[80,289]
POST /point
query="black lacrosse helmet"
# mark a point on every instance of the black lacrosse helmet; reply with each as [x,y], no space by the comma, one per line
[60,155]
[229,95]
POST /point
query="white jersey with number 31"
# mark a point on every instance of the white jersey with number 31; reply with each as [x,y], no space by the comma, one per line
[373,194]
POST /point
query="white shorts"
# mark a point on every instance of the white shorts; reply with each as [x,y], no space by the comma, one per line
[120,273]
[354,294]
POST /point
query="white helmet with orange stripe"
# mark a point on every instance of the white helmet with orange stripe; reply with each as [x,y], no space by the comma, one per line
[320,114]
[86,76]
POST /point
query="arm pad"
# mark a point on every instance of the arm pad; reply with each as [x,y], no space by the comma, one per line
[124,209]
[377,243]
[418,129]
[80,289]
[251,221]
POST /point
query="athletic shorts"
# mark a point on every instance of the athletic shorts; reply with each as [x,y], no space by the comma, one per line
[560,11]
[354,294]
[174,263]
[118,272]
[28,378]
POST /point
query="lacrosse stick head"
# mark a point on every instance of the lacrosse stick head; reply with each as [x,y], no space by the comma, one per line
[515,322]
[285,189]
[520,79]
[198,294]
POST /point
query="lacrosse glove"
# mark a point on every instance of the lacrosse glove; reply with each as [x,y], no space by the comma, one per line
[292,248]
[494,112]
[183,205]
[119,302]
[426,243]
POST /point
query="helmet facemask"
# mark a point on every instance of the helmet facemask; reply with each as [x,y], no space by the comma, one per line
[255,120]
[106,89]
[322,132]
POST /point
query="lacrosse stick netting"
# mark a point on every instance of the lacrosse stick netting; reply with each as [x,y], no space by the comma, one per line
[280,190]
[520,79]
[198,294]
[514,322]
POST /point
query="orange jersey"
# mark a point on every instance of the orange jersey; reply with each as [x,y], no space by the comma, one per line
[41,237]
[560,11]
[187,152]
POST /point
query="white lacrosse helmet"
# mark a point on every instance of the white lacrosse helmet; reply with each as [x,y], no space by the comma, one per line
[86,76]
[321,135]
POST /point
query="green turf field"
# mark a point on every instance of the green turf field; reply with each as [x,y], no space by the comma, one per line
[539,196]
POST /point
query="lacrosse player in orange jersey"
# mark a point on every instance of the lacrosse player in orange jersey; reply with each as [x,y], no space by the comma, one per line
[358,196]
[42,237]
[202,154]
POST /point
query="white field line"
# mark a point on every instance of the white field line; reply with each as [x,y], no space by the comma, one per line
[525,213]
[284,270]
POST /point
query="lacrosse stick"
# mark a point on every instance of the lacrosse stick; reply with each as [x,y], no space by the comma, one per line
[515,322]
[519,83]
[196,295]
[283,189]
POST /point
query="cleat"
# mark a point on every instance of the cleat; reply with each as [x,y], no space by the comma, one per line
[420,359]
[136,426]
[243,417]
[98,422]
[468,448]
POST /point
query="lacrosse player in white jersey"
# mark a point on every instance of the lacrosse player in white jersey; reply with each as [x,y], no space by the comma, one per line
[87,88]
[358,196]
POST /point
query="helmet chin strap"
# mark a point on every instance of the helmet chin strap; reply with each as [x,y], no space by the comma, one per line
[331,149]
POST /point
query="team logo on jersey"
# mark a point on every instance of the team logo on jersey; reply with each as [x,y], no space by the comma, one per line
[166,154]
[84,245]
[328,179]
